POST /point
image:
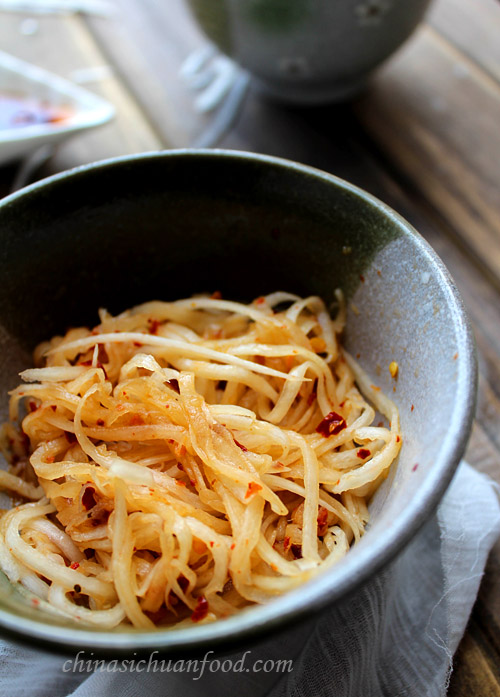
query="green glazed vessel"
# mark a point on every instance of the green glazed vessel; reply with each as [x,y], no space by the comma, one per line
[309,51]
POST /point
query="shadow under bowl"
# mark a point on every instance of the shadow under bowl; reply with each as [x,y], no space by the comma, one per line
[167,225]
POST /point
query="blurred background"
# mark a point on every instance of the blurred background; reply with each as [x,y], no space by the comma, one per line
[422,133]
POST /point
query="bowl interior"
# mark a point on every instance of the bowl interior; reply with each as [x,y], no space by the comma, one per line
[168,225]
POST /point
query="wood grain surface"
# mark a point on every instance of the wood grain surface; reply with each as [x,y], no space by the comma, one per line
[425,138]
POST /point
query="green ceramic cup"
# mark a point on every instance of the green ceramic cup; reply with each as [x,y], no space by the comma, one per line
[309,51]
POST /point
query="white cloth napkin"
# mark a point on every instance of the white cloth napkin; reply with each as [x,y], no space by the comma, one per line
[397,636]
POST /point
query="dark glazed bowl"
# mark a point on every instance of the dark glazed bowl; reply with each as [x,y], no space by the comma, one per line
[167,225]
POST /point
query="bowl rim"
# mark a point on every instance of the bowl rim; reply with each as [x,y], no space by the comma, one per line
[362,562]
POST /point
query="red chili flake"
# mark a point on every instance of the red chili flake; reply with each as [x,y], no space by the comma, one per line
[455,356]
[167,406]
[174,384]
[153,325]
[332,424]
[361,278]
[415,467]
[322,521]
[253,488]
[88,500]
[240,445]
[216,295]
[211,543]
[412,407]
[380,424]
[53,407]
[70,437]
[136,420]
[233,546]
[138,343]
[192,482]
[260,300]
[179,482]
[286,543]
[100,422]
[49,459]
[74,565]
[363,453]
[398,439]
[180,466]
[35,602]
[296,551]
[32,406]
[201,609]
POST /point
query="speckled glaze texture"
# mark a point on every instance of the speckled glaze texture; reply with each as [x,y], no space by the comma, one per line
[309,51]
[166,225]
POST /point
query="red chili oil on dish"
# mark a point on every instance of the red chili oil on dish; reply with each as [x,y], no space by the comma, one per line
[18,111]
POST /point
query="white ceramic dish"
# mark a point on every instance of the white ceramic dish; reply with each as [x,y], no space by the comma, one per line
[85,110]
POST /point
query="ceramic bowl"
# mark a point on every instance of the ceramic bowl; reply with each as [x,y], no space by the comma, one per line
[167,225]
[309,51]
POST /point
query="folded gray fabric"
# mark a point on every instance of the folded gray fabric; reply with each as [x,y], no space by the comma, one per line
[396,636]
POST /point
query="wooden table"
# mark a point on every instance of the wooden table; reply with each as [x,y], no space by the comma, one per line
[425,139]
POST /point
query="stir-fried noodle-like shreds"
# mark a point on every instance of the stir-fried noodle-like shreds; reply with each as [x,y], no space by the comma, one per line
[183,460]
